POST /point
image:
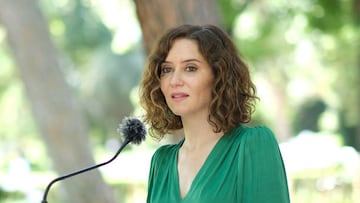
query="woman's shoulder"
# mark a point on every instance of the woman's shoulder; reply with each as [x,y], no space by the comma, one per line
[165,149]
[254,134]
[259,130]
[249,131]
[260,140]
[165,152]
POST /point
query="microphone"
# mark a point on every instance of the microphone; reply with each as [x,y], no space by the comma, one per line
[131,128]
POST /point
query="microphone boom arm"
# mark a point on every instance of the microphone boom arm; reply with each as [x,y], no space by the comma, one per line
[126,141]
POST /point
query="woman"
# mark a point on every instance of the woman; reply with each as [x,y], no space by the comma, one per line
[196,81]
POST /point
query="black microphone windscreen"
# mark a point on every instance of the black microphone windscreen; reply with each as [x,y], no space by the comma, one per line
[133,130]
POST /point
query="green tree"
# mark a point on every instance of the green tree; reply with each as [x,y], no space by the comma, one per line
[54,105]
[340,21]
[271,34]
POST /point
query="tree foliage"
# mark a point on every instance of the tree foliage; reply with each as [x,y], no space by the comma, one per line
[300,50]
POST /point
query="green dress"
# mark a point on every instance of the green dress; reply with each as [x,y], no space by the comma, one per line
[244,166]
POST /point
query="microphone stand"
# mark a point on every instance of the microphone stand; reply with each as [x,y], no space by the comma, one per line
[126,141]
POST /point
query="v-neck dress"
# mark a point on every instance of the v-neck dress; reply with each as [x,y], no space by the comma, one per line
[244,166]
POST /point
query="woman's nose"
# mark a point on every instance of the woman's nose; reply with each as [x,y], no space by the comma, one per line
[176,79]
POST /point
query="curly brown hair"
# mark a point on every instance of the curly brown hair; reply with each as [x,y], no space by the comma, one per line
[233,93]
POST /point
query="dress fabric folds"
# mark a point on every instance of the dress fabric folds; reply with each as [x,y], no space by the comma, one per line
[245,166]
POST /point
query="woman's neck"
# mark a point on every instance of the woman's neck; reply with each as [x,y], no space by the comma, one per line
[199,133]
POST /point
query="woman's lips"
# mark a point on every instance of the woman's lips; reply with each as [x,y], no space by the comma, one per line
[179,96]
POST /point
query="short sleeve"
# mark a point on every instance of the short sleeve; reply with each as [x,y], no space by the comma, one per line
[264,172]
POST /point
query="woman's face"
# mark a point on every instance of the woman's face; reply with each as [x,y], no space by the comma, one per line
[186,79]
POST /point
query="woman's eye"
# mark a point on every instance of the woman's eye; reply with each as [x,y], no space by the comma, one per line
[190,68]
[165,70]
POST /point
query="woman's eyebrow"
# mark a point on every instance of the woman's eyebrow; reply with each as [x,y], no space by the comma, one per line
[191,60]
[184,61]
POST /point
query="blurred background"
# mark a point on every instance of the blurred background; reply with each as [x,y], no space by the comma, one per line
[69,72]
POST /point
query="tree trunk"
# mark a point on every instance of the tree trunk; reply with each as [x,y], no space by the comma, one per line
[155,16]
[282,127]
[55,109]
